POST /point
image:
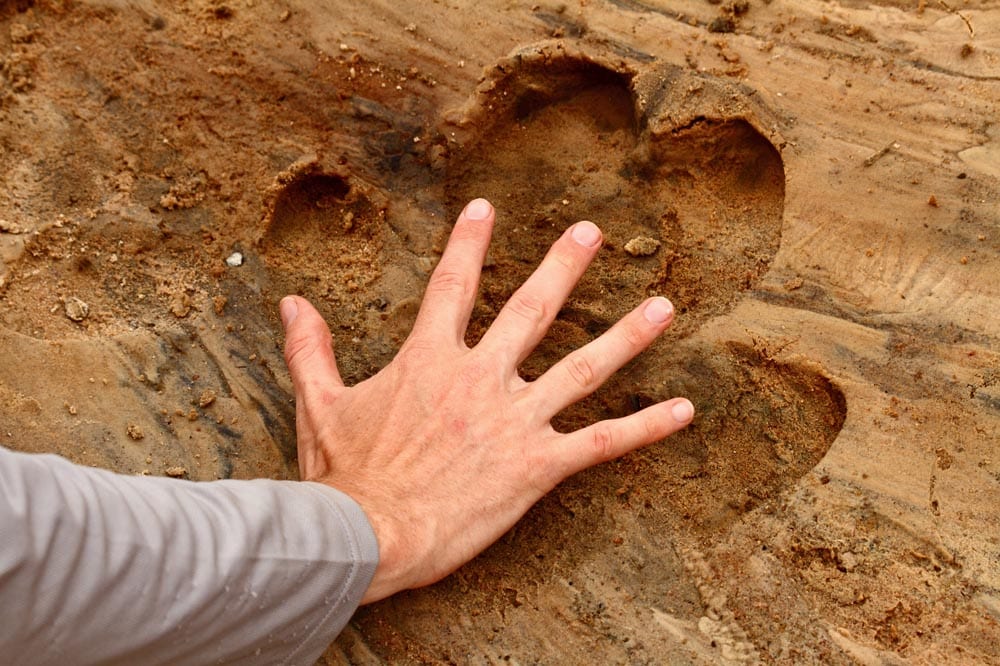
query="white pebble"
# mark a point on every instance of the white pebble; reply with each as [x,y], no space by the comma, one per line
[235,259]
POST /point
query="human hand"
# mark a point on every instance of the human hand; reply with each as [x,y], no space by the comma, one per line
[447,447]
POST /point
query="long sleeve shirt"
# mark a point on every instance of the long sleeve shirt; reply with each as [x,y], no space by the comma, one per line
[97,567]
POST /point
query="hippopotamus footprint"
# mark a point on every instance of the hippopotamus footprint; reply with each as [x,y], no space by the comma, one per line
[690,202]
[690,194]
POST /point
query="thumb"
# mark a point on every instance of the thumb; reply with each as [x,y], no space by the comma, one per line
[308,348]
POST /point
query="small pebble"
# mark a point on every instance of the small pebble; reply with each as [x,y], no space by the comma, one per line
[642,246]
[76,309]
[207,398]
[180,305]
[235,259]
[135,432]
[794,283]
[177,472]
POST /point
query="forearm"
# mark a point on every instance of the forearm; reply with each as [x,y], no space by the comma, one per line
[99,567]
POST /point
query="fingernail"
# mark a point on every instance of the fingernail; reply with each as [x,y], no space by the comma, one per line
[658,311]
[289,311]
[478,209]
[586,234]
[682,411]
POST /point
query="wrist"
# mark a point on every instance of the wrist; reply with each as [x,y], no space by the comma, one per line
[392,572]
[389,577]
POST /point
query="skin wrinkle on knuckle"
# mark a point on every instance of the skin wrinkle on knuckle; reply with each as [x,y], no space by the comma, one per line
[474,373]
[417,349]
[415,359]
[448,282]
[602,442]
[580,370]
[566,259]
[527,307]
[633,335]
[298,351]
[652,429]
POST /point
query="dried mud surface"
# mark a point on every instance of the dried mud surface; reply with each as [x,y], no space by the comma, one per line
[814,185]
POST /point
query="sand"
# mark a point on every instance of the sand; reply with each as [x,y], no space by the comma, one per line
[814,185]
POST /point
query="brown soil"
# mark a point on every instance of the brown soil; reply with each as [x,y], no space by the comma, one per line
[817,184]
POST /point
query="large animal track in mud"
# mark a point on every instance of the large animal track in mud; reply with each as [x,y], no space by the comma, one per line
[554,140]
[325,240]
[558,139]
[563,140]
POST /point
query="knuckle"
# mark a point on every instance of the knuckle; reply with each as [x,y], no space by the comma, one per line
[652,429]
[633,335]
[527,306]
[416,347]
[602,442]
[579,368]
[447,281]
[415,355]
[566,260]
[474,373]
[298,350]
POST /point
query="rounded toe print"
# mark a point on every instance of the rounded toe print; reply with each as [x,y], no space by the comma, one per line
[324,239]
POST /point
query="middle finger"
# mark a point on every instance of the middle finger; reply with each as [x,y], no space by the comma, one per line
[526,317]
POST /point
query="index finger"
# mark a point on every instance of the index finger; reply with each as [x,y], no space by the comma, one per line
[451,291]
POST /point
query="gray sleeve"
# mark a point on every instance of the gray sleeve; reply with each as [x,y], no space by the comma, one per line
[97,567]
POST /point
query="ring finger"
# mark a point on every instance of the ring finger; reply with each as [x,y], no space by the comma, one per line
[580,373]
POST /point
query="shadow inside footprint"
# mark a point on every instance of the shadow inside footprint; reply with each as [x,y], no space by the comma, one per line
[761,425]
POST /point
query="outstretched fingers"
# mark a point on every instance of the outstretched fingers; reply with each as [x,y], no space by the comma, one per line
[526,317]
[611,439]
[451,291]
[581,372]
